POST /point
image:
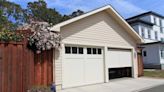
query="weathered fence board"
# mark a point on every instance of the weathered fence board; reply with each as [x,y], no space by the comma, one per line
[21,68]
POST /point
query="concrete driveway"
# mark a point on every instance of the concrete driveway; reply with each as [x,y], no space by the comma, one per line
[120,85]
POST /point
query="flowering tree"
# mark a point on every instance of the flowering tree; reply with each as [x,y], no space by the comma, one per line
[43,38]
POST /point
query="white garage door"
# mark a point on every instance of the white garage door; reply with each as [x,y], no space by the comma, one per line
[118,58]
[82,66]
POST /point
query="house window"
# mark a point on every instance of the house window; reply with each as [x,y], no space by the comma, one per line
[162,53]
[144,53]
[155,21]
[156,35]
[143,32]
[68,50]
[161,29]
[161,23]
[149,34]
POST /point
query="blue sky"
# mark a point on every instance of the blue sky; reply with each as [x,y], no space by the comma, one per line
[126,8]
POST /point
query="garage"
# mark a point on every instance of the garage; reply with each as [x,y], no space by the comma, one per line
[82,66]
[119,63]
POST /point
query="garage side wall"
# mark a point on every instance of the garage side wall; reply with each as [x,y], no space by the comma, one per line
[97,30]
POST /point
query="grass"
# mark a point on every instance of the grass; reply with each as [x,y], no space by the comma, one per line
[156,73]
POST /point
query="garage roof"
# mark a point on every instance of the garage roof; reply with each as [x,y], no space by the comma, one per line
[111,11]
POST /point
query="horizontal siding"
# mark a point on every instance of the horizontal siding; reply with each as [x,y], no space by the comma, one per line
[99,29]
[58,68]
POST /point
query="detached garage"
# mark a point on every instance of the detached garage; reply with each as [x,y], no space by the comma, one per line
[96,46]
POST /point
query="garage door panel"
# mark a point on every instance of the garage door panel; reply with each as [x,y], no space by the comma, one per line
[113,59]
[125,59]
[82,68]
[94,71]
[119,58]
[73,72]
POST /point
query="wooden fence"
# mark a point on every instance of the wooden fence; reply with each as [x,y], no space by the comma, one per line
[21,68]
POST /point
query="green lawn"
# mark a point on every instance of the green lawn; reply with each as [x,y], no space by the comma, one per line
[156,73]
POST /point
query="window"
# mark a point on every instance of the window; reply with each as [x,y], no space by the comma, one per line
[149,34]
[162,39]
[99,51]
[161,29]
[144,53]
[156,35]
[89,51]
[67,50]
[155,21]
[143,32]
[161,23]
[74,50]
[94,51]
[162,53]
[80,50]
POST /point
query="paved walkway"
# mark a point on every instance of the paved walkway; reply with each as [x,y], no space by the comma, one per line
[155,89]
[120,85]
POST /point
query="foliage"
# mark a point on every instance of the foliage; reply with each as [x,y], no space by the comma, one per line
[76,13]
[7,36]
[39,89]
[38,11]
[11,15]
[43,38]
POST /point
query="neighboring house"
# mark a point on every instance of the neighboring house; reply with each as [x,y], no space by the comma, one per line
[150,26]
[96,46]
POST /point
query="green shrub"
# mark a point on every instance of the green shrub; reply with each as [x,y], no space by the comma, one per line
[7,36]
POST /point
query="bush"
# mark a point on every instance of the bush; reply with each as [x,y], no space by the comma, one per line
[40,89]
[43,37]
[7,36]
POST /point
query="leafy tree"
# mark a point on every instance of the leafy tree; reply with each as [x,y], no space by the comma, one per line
[11,15]
[72,15]
[76,13]
[65,17]
[39,11]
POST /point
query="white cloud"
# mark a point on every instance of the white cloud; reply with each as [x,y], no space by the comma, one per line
[68,4]
[126,8]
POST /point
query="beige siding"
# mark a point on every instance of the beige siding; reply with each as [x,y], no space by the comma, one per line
[58,68]
[99,30]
